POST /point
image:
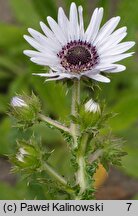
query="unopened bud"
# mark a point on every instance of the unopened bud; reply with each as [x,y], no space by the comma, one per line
[92,106]
[27,155]
[25,109]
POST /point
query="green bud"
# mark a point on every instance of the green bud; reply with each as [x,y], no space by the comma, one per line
[89,115]
[25,109]
[27,155]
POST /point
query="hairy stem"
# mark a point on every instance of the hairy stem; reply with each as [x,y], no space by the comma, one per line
[54,123]
[75,101]
[81,173]
[81,147]
[58,178]
[95,155]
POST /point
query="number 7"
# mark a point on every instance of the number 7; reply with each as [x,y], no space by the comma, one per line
[129,204]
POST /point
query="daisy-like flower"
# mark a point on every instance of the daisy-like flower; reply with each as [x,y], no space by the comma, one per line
[92,106]
[18,102]
[72,52]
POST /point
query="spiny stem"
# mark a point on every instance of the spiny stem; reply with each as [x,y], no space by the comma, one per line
[57,177]
[81,173]
[54,174]
[75,101]
[54,123]
[95,155]
[81,148]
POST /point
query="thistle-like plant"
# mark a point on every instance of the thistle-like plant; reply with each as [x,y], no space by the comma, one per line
[74,55]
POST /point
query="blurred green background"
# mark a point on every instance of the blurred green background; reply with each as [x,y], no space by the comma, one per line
[15,77]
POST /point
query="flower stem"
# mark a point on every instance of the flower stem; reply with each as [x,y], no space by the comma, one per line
[54,174]
[81,178]
[58,178]
[75,101]
[81,173]
[54,123]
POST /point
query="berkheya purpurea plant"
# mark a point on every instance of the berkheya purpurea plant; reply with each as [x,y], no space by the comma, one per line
[74,55]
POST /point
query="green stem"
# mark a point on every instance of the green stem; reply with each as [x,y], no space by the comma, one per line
[54,123]
[98,153]
[75,101]
[81,148]
[58,178]
[81,173]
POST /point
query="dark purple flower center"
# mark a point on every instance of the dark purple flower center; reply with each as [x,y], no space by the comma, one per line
[78,56]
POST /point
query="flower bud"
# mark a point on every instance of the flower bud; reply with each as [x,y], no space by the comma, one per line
[25,109]
[92,106]
[27,155]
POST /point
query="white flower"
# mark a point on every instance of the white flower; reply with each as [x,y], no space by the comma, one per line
[18,102]
[92,106]
[72,52]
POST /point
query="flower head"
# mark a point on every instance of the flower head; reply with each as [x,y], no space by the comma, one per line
[72,52]
[18,102]
[92,106]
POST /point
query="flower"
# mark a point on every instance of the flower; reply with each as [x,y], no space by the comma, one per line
[18,102]
[72,52]
[92,106]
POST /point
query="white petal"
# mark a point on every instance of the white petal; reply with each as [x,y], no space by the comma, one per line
[120,48]
[61,76]
[73,23]
[91,72]
[105,67]
[99,78]
[18,102]
[51,44]
[58,68]
[63,21]
[32,53]
[92,106]
[107,29]
[46,74]
[46,30]
[112,59]
[80,10]
[94,25]
[34,44]
[37,35]
[119,68]
[57,30]
[44,61]
[54,79]
[112,40]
